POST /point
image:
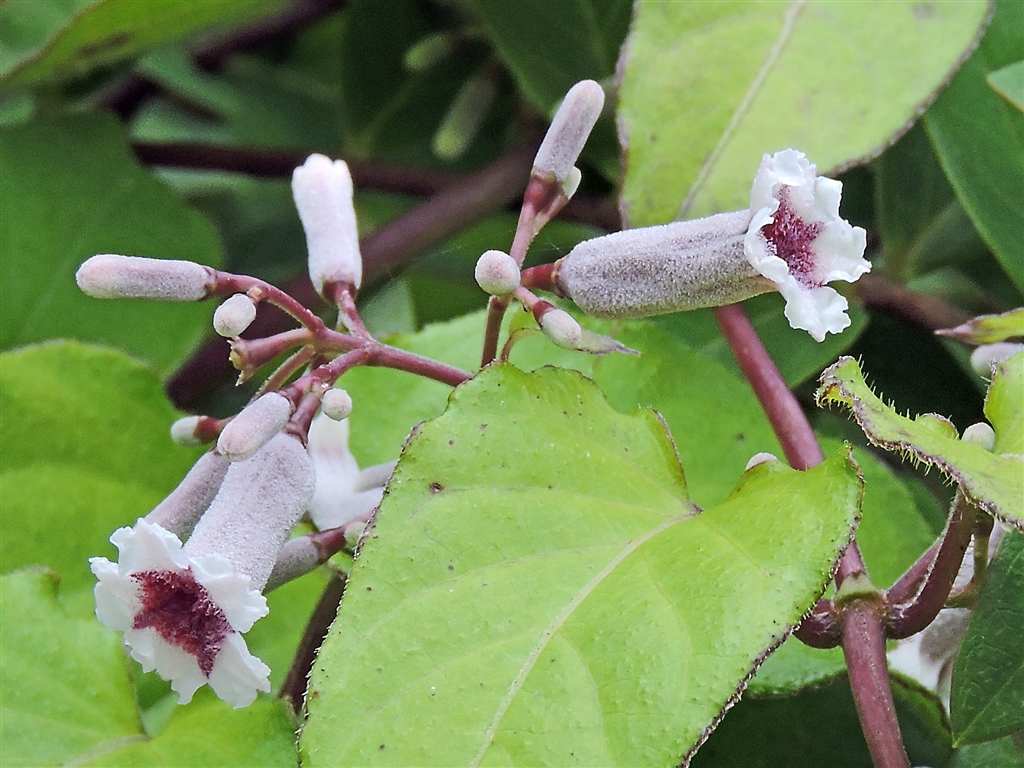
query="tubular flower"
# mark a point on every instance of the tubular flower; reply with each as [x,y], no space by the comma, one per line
[791,240]
[183,609]
[344,494]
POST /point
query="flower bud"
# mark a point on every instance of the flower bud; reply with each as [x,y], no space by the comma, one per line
[323,197]
[570,128]
[297,557]
[980,434]
[234,316]
[760,458]
[497,273]
[181,510]
[987,355]
[256,424]
[336,404]
[109,276]
[559,326]
[183,431]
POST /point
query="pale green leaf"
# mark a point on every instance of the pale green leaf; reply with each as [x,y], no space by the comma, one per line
[1004,404]
[989,329]
[210,734]
[708,88]
[70,190]
[539,588]
[1008,82]
[992,481]
[64,685]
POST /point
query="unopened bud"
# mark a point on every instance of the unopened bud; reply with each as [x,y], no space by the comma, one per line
[336,404]
[668,268]
[980,434]
[297,557]
[254,426]
[323,197]
[760,458]
[181,510]
[109,276]
[987,355]
[569,131]
[497,273]
[183,431]
[559,326]
[234,316]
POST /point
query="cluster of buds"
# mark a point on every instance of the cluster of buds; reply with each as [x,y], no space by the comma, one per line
[791,239]
[190,576]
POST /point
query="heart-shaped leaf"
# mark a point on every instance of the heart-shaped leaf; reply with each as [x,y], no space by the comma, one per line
[540,589]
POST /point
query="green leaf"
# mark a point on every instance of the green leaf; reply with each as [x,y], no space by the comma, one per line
[64,684]
[1003,753]
[1008,82]
[989,329]
[1004,404]
[71,190]
[550,47]
[992,481]
[820,728]
[984,159]
[62,39]
[209,733]
[709,87]
[798,356]
[537,572]
[988,674]
[83,443]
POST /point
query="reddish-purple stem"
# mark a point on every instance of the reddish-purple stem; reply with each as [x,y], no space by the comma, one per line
[908,618]
[864,650]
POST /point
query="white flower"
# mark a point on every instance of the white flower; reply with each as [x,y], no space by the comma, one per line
[183,609]
[182,616]
[798,241]
[343,494]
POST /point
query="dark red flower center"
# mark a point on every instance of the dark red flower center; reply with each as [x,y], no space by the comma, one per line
[790,238]
[182,611]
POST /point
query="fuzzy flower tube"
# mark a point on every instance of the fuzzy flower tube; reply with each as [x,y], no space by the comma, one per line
[791,240]
[183,609]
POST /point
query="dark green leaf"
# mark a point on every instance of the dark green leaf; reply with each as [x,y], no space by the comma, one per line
[984,156]
[987,699]
[71,190]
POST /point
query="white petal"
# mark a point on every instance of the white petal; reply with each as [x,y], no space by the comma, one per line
[230,590]
[347,507]
[815,310]
[237,675]
[170,662]
[335,466]
[147,547]
[117,599]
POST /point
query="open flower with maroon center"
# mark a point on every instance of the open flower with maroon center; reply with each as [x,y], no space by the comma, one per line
[791,240]
[182,616]
[183,609]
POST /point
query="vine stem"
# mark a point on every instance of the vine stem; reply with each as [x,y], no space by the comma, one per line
[863,636]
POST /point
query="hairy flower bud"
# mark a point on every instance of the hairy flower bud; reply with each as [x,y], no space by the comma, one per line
[569,131]
[234,316]
[760,458]
[257,423]
[183,431]
[323,197]
[980,434]
[559,326]
[181,510]
[336,404]
[987,355]
[110,276]
[497,273]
